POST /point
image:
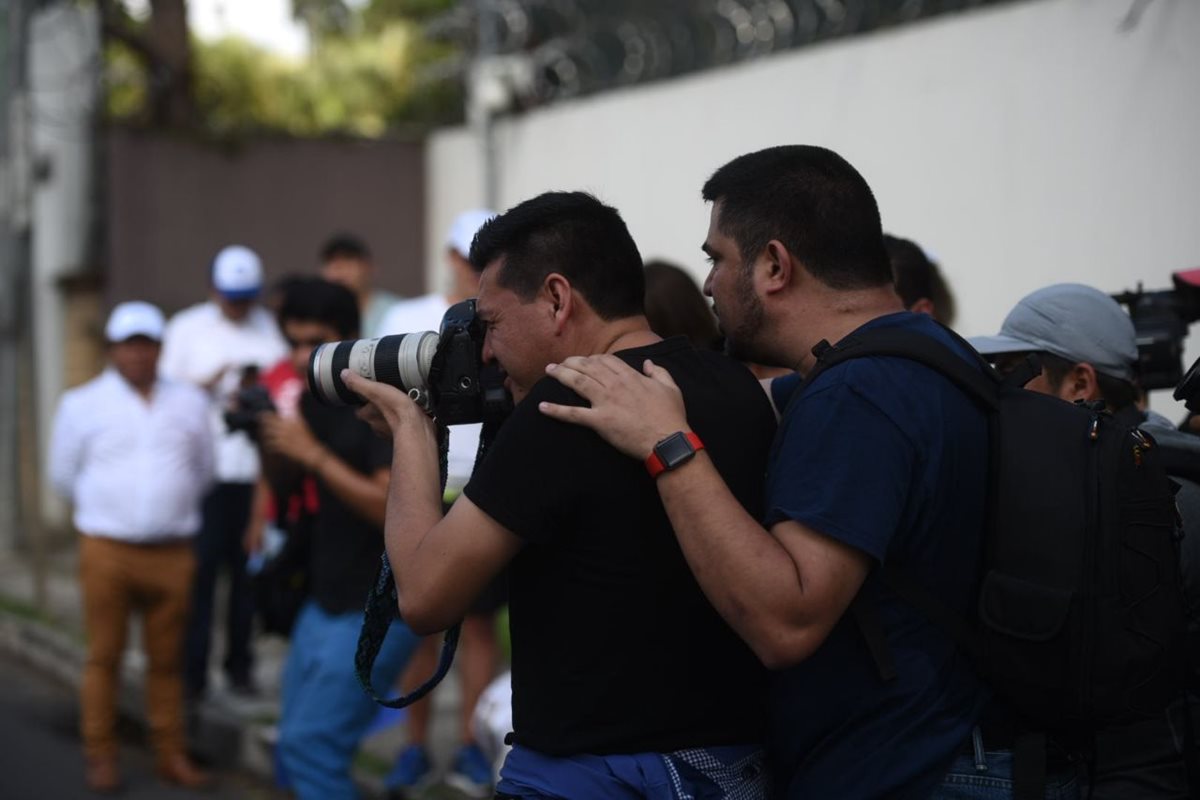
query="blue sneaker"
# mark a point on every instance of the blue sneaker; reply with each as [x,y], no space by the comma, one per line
[472,772]
[411,771]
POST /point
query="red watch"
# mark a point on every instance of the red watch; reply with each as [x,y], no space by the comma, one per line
[675,450]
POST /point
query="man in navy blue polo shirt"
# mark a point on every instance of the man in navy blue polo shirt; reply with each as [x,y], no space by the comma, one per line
[879,459]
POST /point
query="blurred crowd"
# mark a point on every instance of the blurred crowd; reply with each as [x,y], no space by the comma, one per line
[200,451]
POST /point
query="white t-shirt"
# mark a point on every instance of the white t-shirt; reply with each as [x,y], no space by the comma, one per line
[425,314]
[198,343]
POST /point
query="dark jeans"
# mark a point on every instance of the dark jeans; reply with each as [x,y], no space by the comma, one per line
[225,512]
[983,773]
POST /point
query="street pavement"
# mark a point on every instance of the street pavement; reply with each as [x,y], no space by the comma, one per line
[40,754]
[233,733]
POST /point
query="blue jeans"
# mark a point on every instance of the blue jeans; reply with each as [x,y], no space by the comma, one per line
[325,710]
[987,775]
[712,773]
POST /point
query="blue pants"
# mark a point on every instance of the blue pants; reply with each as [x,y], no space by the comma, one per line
[714,773]
[987,775]
[325,710]
[218,545]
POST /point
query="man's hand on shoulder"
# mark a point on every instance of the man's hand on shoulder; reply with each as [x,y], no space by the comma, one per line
[631,411]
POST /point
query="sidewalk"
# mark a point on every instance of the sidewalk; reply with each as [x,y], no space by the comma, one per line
[228,730]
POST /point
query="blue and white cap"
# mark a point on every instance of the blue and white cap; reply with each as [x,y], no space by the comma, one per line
[1072,321]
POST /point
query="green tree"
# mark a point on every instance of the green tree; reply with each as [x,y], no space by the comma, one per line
[370,71]
[156,55]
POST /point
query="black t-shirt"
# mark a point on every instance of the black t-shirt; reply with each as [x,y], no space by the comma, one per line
[615,648]
[345,548]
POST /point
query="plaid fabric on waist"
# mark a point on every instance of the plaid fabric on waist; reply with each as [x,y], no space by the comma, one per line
[718,773]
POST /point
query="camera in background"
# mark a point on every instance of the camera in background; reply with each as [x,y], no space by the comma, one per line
[250,400]
[1161,318]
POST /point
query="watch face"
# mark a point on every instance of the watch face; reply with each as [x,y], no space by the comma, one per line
[674,450]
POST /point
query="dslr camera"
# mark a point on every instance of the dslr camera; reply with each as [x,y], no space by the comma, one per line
[443,371]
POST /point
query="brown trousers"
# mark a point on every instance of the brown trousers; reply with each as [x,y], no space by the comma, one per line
[120,578]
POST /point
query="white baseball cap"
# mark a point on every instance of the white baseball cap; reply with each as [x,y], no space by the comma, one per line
[237,273]
[134,319]
[465,226]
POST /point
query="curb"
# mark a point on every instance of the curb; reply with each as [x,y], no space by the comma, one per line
[51,651]
[220,738]
[217,735]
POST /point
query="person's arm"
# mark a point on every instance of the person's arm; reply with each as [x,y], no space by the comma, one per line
[204,452]
[366,495]
[66,450]
[441,564]
[782,589]
[256,525]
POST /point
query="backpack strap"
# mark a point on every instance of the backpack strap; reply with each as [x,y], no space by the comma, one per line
[981,383]
[980,380]
[906,586]
[1029,766]
[1191,755]
[976,378]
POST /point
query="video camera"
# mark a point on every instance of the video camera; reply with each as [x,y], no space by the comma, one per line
[444,371]
[1160,319]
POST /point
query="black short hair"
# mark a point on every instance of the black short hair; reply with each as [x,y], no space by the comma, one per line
[917,276]
[1118,394]
[573,234]
[307,299]
[344,245]
[812,201]
[675,306]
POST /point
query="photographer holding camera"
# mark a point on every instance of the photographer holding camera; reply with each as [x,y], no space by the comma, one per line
[328,452]
[626,683]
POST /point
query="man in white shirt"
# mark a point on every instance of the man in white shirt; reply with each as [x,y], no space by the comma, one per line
[134,454]
[220,346]
[479,654]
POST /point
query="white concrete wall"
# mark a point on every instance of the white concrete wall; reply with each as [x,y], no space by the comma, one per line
[1032,143]
[63,82]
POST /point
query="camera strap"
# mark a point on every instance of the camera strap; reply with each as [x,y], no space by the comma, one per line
[383,607]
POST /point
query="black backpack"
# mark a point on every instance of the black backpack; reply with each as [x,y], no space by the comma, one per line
[1080,613]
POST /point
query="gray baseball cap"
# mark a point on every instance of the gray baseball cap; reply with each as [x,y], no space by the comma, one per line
[1077,322]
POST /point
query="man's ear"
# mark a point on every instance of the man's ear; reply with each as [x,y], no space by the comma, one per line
[922,306]
[779,267]
[560,298]
[1080,384]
